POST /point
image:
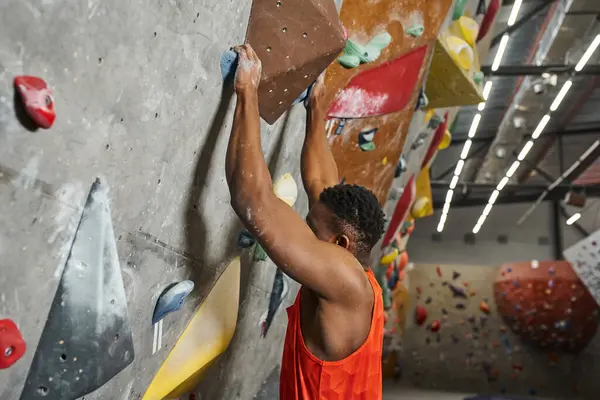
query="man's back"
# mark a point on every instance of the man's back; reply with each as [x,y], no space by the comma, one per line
[306,376]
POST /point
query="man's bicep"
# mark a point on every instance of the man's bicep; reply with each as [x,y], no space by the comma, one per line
[294,248]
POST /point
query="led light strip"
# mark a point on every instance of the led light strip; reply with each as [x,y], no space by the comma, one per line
[536,133]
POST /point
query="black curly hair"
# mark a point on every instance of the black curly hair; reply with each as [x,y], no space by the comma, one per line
[360,215]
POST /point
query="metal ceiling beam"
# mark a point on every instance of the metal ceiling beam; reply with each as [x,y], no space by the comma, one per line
[490,136]
[519,193]
[538,70]
[520,22]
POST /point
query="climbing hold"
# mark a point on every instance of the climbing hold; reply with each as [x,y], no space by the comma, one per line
[460,52]
[12,345]
[435,326]
[384,161]
[171,299]
[415,30]
[467,28]
[438,270]
[340,128]
[435,121]
[368,146]
[245,240]
[37,99]
[228,65]
[459,9]
[279,291]
[428,300]
[484,307]
[259,253]
[457,291]
[455,275]
[401,167]
[446,140]
[478,77]
[420,207]
[356,53]
[419,290]
[420,315]
[460,306]
[286,189]
[419,141]
[403,262]
[366,136]
[389,257]
[422,100]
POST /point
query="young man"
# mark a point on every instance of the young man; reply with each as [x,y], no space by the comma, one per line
[333,344]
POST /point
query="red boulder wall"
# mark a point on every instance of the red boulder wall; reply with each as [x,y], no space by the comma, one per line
[545,302]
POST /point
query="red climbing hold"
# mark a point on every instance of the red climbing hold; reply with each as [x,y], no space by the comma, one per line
[37,99]
[435,326]
[420,315]
[12,344]
[439,271]
[484,307]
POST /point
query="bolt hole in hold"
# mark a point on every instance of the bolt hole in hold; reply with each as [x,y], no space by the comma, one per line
[154,34]
[284,29]
[278,4]
[99,60]
[305,35]
[63,357]
[112,301]
[196,87]
[117,336]
[268,49]
[8,351]
[107,146]
[42,391]
[156,115]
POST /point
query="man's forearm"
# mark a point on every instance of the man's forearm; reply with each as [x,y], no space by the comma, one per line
[246,170]
[318,164]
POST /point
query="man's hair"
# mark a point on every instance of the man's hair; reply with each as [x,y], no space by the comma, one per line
[359,212]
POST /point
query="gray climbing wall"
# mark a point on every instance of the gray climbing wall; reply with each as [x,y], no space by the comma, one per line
[475,352]
[139,103]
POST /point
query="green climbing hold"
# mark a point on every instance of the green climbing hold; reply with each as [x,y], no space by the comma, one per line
[367,146]
[478,77]
[259,253]
[356,53]
[349,61]
[415,30]
[459,9]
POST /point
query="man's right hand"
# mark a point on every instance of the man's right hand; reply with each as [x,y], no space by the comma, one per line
[249,69]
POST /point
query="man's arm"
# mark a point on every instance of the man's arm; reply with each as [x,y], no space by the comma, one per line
[325,268]
[319,170]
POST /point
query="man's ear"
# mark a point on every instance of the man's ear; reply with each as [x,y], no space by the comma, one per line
[343,241]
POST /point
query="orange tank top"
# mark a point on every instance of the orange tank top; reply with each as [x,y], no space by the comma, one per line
[356,377]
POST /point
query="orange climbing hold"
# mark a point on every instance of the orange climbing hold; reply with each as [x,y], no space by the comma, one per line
[484,307]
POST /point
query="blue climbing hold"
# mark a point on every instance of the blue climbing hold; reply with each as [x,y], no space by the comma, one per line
[228,64]
[172,299]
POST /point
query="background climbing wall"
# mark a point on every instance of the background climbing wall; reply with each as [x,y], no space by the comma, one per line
[138,97]
[363,21]
[476,352]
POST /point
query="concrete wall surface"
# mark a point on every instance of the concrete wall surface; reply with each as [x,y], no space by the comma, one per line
[139,102]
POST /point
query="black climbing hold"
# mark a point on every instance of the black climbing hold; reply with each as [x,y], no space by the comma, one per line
[457,291]
[245,240]
[455,275]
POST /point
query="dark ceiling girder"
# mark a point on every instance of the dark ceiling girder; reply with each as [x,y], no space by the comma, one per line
[510,194]
[490,136]
[584,12]
[520,22]
[538,70]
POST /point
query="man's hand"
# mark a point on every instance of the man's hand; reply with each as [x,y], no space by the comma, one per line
[315,101]
[249,69]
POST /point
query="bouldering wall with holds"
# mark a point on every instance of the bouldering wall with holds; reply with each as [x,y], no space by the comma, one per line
[364,97]
[138,101]
[465,337]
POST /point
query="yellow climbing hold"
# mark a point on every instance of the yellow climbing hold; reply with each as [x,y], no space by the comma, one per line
[389,257]
[384,161]
[446,140]
[428,115]
[206,336]
[466,28]
[460,51]
[286,189]
[419,208]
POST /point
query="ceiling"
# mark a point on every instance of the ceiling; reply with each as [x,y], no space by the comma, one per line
[546,33]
